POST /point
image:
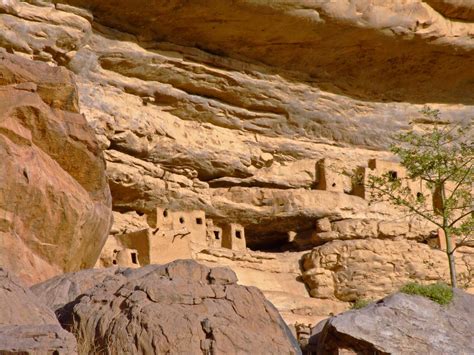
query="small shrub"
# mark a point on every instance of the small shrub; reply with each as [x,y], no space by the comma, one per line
[438,292]
[360,303]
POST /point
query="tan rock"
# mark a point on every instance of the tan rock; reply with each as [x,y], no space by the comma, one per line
[356,228]
[231,120]
[394,229]
[128,222]
[41,32]
[323,225]
[278,275]
[372,268]
[54,200]
[399,324]
[319,238]
[417,31]
[455,9]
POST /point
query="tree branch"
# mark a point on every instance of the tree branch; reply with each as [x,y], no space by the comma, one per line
[408,205]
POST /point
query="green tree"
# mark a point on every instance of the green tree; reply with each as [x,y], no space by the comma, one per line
[442,158]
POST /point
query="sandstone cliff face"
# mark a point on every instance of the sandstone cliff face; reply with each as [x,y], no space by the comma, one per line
[225,106]
[54,199]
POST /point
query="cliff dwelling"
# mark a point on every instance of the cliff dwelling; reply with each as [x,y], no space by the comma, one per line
[179,234]
[172,235]
[330,178]
[201,155]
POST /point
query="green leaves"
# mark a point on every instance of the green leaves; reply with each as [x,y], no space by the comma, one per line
[442,158]
[439,292]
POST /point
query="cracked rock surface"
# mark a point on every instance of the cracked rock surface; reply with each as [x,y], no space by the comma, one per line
[400,324]
[181,307]
[28,326]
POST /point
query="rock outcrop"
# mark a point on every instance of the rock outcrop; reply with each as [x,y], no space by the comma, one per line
[399,324]
[54,200]
[372,268]
[27,326]
[181,307]
[340,44]
[278,276]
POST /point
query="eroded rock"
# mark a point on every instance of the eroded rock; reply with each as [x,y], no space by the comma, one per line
[54,199]
[372,268]
[28,326]
[181,307]
[400,324]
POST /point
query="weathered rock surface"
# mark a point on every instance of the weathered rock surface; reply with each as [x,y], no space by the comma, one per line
[455,9]
[54,200]
[341,44]
[400,324]
[28,326]
[202,116]
[278,276]
[63,289]
[181,307]
[226,106]
[371,268]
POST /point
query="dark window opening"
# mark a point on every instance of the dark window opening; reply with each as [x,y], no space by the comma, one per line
[114,262]
[217,235]
[140,213]
[181,220]
[165,213]
[238,234]
[393,175]
[134,258]
[333,184]
[198,220]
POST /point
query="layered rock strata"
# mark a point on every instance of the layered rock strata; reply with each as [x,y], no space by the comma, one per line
[371,268]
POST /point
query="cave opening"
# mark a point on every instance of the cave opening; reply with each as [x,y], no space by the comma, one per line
[280,242]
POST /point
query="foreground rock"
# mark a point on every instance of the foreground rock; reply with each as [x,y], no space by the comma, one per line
[181,307]
[26,325]
[54,198]
[400,324]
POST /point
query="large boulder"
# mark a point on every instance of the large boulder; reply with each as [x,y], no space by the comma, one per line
[55,204]
[400,324]
[181,307]
[349,270]
[26,325]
